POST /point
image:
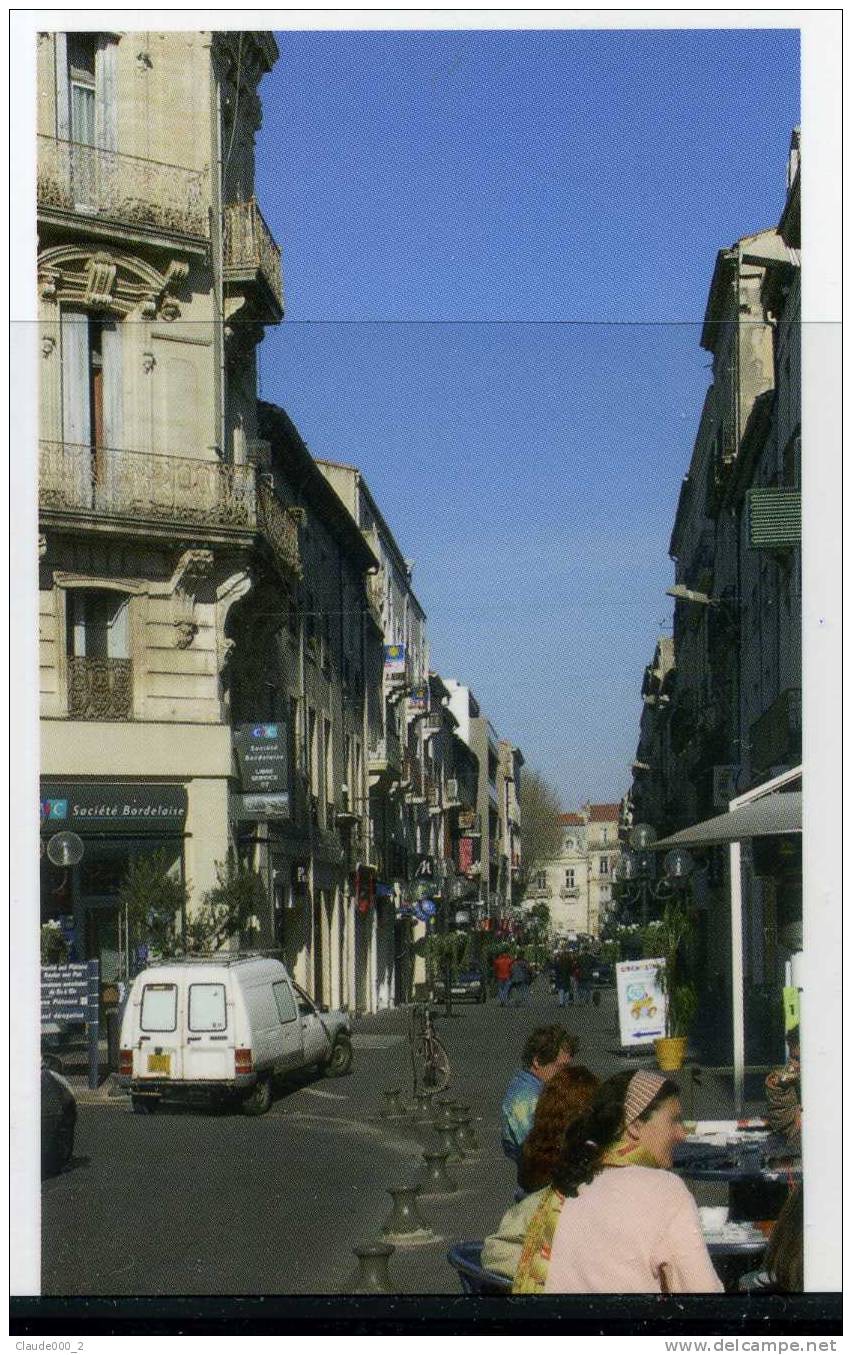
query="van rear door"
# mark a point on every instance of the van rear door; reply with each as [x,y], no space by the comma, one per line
[158,1052]
[210,1031]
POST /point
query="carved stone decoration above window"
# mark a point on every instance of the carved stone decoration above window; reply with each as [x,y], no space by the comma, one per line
[109,280]
[194,569]
[100,280]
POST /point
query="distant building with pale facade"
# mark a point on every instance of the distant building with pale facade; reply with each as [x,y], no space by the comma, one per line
[576,885]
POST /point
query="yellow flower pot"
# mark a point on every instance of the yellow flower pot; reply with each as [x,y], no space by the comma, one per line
[671,1052]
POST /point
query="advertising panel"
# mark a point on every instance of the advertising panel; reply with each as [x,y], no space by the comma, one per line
[641,1001]
[395,661]
[263,759]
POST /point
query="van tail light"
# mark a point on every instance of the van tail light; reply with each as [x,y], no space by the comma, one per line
[125,1063]
[242,1060]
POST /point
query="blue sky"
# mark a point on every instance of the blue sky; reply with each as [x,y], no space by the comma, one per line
[497,248]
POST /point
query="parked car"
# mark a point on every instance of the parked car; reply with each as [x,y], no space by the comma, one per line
[603,974]
[467,986]
[211,1028]
[58,1120]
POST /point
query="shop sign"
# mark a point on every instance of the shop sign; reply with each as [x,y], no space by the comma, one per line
[263,758]
[395,661]
[112,808]
[425,909]
[641,1001]
[418,698]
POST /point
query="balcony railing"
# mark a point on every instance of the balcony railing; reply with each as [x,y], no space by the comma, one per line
[100,689]
[249,248]
[81,481]
[126,189]
[144,488]
[280,526]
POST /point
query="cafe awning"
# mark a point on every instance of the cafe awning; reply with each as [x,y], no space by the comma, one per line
[773,815]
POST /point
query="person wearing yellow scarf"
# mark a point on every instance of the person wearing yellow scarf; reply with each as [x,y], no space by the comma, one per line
[633,1122]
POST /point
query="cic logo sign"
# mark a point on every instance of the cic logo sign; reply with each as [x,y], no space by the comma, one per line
[54,810]
[265,732]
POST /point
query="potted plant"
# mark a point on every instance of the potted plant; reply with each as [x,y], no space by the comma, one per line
[669,941]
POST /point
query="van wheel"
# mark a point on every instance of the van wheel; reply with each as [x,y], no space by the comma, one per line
[259,1098]
[340,1059]
[144,1105]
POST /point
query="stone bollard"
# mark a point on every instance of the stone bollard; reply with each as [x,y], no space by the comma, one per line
[372,1276]
[445,1112]
[394,1109]
[436,1179]
[446,1142]
[421,1110]
[465,1137]
[404,1226]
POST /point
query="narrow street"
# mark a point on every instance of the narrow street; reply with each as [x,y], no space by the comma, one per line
[195,1202]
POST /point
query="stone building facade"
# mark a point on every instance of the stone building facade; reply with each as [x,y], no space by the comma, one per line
[732,719]
[151,504]
[577,884]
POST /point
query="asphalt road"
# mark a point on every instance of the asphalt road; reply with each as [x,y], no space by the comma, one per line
[212,1202]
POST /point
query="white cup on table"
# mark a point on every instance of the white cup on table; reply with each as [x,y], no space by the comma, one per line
[713,1217]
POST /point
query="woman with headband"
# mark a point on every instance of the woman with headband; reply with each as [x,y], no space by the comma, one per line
[615,1221]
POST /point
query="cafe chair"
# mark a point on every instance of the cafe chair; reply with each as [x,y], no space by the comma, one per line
[465,1258]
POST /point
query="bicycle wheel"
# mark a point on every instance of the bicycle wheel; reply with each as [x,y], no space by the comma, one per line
[436,1066]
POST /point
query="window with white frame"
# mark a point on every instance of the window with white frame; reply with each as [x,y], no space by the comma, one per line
[604,865]
[569,877]
[541,879]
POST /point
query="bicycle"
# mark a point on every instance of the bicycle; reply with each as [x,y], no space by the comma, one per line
[430,1062]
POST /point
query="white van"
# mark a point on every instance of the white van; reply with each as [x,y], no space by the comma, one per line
[223,1025]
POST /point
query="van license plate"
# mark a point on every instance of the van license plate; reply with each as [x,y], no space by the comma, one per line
[160,1063]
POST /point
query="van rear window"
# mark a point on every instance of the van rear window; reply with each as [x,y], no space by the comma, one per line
[159,1007]
[207,1006]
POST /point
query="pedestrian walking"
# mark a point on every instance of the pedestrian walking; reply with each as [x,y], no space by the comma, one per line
[585,967]
[503,976]
[562,977]
[521,979]
[575,979]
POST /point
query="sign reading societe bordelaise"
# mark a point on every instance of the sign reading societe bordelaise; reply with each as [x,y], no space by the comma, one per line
[263,758]
[112,807]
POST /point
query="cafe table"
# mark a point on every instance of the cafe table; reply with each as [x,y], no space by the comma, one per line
[736,1152]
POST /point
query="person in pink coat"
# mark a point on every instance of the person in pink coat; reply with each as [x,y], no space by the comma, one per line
[615,1219]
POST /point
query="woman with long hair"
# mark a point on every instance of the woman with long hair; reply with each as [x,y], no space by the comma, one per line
[563,1099]
[615,1220]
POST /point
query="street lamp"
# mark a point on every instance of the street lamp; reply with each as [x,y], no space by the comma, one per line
[636,872]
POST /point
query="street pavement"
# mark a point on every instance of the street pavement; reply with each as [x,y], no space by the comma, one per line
[212,1202]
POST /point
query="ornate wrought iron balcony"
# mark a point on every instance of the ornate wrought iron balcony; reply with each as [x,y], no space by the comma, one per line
[100,689]
[126,189]
[79,481]
[142,490]
[252,258]
[280,525]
